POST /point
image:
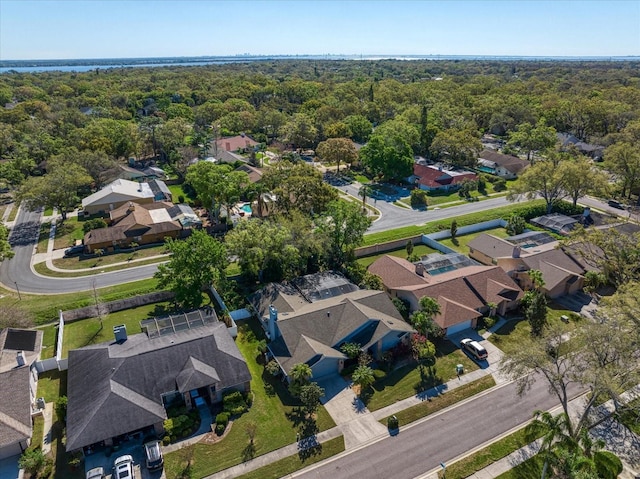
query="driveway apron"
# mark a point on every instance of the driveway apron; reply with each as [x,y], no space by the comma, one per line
[349,413]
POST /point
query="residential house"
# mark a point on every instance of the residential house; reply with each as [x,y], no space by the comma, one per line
[239,143]
[121,192]
[19,351]
[463,289]
[516,255]
[142,224]
[141,174]
[255,174]
[438,178]
[122,388]
[555,222]
[568,141]
[504,166]
[310,318]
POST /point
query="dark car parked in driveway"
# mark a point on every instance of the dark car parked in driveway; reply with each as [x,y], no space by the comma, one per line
[153,455]
[74,250]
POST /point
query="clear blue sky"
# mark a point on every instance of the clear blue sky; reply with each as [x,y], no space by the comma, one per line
[48,29]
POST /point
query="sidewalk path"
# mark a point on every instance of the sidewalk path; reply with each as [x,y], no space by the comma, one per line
[46,430]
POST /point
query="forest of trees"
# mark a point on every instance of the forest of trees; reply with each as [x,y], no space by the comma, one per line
[432,108]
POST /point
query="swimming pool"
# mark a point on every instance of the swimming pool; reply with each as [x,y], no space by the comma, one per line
[246,208]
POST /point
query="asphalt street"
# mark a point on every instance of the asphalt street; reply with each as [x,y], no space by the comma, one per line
[421,447]
[16,272]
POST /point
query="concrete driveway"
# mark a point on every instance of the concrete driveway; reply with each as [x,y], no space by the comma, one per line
[134,448]
[349,413]
[492,363]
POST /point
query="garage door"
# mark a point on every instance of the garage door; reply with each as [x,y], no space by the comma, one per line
[458,327]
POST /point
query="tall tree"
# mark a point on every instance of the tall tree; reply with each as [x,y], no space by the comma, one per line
[389,157]
[460,148]
[543,179]
[299,131]
[196,263]
[624,159]
[298,186]
[343,225]
[581,178]
[57,189]
[336,150]
[216,185]
[529,138]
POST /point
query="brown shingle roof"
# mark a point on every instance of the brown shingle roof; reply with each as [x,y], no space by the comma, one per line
[396,272]
[492,246]
[510,163]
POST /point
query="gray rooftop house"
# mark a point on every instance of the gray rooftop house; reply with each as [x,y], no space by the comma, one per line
[121,388]
[310,318]
[19,350]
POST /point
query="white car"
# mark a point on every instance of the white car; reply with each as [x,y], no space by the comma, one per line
[95,473]
[123,468]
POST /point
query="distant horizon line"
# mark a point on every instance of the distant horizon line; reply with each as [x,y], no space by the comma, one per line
[354,56]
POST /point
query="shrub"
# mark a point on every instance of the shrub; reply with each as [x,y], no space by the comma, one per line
[222,418]
[500,184]
[379,374]
[180,198]
[220,428]
[61,407]
[418,198]
[272,367]
[234,403]
[489,322]
[166,440]
[32,461]
[348,371]
[93,224]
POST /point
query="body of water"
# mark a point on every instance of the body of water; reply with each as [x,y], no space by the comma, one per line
[35,66]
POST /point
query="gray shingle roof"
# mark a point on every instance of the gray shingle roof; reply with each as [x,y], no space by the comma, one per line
[117,388]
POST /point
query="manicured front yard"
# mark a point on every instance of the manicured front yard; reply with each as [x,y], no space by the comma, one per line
[68,232]
[286,466]
[425,408]
[509,337]
[529,469]
[274,412]
[420,250]
[410,380]
[82,262]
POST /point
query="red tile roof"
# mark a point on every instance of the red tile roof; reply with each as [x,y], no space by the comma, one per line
[233,143]
[432,177]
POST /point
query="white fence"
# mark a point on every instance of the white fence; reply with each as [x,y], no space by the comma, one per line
[431,240]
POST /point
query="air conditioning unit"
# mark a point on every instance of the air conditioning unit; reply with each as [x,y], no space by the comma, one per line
[40,403]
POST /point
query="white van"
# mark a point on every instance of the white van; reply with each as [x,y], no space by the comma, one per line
[474,348]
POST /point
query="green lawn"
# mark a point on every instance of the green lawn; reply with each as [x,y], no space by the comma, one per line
[509,337]
[462,241]
[50,333]
[44,308]
[425,408]
[420,249]
[88,331]
[463,220]
[43,238]
[108,259]
[274,413]
[487,456]
[68,232]
[529,469]
[41,268]
[408,380]
[177,191]
[291,464]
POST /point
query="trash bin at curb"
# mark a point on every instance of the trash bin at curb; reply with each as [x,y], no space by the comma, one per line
[459,369]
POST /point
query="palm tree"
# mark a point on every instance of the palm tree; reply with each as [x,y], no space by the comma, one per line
[554,430]
[364,191]
[363,377]
[301,373]
[536,279]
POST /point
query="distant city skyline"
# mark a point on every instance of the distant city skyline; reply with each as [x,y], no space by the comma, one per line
[48,29]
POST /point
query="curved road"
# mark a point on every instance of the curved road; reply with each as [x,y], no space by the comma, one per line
[17,273]
[421,447]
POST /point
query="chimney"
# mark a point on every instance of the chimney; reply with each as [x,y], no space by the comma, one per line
[273,317]
[420,269]
[20,358]
[120,333]
[516,252]
[227,146]
[132,207]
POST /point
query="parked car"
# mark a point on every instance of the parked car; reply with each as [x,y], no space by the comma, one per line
[74,250]
[615,204]
[153,455]
[474,348]
[96,473]
[123,468]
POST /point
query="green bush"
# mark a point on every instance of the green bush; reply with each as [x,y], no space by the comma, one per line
[418,198]
[499,185]
[392,422]
[166,440]
[379,374]
[234,403]
[489,322]
[222,418]
[93,224]
[61,407]
[220,428]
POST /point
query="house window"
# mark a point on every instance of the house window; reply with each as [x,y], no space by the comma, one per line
[138,238]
